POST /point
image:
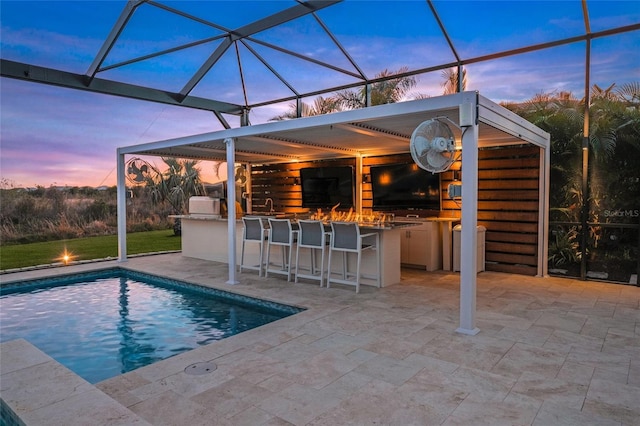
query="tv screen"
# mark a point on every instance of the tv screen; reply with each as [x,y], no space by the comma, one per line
[404,186]
[324,187]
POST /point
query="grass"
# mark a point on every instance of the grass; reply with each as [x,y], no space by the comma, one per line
[24,255]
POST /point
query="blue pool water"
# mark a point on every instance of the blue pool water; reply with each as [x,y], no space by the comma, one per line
[106,323]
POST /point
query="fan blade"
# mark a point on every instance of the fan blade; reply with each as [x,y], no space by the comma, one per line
[421,144]
[436,159]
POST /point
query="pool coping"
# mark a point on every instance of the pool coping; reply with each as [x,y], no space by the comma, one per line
[112,271]
[39,390]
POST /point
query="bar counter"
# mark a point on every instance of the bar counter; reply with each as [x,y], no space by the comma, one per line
[205,237]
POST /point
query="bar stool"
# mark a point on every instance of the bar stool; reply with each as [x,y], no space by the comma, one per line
[346,238]
[281,234]
[254,232]
[312,236]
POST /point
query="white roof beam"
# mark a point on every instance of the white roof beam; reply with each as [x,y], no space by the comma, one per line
[510,123]
[370,131]
[301,145]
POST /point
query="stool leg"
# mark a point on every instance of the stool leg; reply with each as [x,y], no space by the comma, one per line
[242,256]
[266,262]
[289,268]
[322,265]
[329,268]
[379,282]
[358,272]
[261,259]
[297,263]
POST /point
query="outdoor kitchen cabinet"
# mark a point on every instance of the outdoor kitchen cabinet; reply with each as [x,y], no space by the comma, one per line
[420,246]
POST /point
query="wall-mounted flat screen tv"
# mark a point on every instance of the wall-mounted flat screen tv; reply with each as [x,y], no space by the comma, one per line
[324,187]
[404,186]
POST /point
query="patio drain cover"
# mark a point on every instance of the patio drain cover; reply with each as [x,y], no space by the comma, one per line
[200,368]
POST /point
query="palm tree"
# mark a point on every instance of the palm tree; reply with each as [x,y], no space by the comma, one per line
[450,84]
[614,114]
[175,185]
[629,93]
[614,142]
[561,115]
[321,105]
[388,91]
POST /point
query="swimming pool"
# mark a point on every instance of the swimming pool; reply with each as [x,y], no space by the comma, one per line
[105,323]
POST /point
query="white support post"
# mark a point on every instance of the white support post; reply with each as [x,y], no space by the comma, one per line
[469,232]
[543,215]
[121,201]
[359,184]
[231,209]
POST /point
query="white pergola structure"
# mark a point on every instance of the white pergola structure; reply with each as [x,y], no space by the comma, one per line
[372,131]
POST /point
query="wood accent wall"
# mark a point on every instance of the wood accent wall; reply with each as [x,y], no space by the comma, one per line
[508,192]
[508,188]
[367,194]
[281,183]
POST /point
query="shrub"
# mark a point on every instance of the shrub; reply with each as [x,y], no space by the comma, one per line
[98,210]
[52,214]
[563,247]
[97,227]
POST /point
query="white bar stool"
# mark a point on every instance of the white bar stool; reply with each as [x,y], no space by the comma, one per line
[312,236]
[254,232]
[346,238]
[281,234]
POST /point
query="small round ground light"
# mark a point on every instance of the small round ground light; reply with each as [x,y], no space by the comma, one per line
[200,368]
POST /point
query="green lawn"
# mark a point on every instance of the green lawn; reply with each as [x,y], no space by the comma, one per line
[22,255]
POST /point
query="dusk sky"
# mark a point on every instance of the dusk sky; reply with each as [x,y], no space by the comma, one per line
[57,136]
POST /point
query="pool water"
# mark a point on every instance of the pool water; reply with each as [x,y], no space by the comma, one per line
[103,324]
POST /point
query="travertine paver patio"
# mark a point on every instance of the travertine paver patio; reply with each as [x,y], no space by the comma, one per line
[551,351]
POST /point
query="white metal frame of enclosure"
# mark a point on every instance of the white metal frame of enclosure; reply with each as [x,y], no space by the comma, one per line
[485,117]
[245,35]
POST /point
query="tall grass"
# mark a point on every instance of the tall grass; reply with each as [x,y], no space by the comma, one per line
[56,214]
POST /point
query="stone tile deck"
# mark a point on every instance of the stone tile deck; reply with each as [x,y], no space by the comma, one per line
[551,351]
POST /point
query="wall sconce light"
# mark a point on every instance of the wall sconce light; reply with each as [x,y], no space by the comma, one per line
[457,175]
[366,178]
[296,181]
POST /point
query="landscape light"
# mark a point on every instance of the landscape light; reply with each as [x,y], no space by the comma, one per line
[66,257]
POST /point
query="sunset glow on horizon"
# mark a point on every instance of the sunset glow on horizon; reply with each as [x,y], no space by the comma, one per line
[54,136]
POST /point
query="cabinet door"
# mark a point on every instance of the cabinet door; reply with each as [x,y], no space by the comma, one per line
[413,247]
[422,246]
[418,247]
[405,236]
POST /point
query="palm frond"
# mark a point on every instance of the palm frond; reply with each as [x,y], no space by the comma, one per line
[629,92]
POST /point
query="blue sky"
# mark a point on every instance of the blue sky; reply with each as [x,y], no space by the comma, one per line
[56,136]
